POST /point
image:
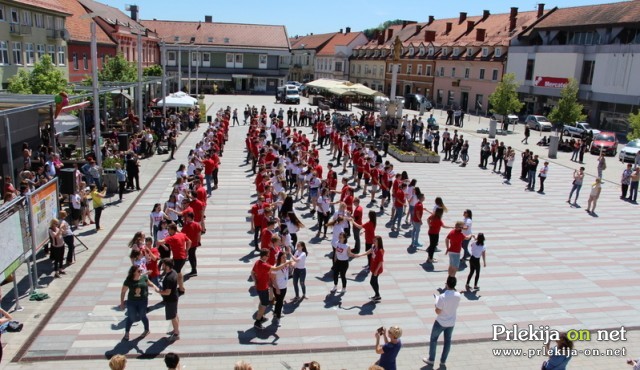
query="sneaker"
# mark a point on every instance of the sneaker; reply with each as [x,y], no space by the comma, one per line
[193,273]
[144,334]
[180,293]
[173,337]
[335,288]
[126,337]
[263,319]
[258,325]
[427,361]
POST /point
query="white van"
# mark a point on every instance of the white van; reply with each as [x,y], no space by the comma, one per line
[288,94]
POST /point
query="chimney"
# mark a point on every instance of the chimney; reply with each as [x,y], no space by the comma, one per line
[540,9]
[463,17]
[347,30]
[134,12]
[431,19]
[513,17]
[404,24]
[208,19]
[389,33]
[418,28]
[341,30]
[448,29]
[381,38]
[429,36]
[470,25]
[480,33]
[485,14]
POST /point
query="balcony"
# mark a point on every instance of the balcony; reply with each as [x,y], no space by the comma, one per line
[19,30]
[53,34]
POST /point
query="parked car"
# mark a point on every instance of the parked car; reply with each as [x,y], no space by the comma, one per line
[628,153]
[415,101]
[295,83]
[578,129]
[379,101]
[540,123]
[288,94]
[605,142]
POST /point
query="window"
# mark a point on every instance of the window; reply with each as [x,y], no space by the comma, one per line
[485,52]
[40,51]
[587,72]
[467,72]
[498,53]
[51,50]
[229,60]
[469,52]
[171,58]
[479,100]
[494,75]
[4,52]
[239,60]
[26,18]
[375,71]
[456,52]
[2,17]
[338,67]
[14,16]
[451,97]
[409,69]
[39,20]
[210,39]
[453,72]
[421,51]
[85,62]
[481,74]
[195,59]
[381,71]
[419,69]
[353,69]
[528,75]
[48,22]
[390,69]
[61,55]
[441,74]
[439,96]
[431,52]
[30,56]
[206,60]
[411,51]
[59,23]
[17,53]
[74,60]
[444,51]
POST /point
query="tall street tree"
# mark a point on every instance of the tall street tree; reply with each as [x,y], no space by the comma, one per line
[44,78]
[504,99]
[634,126]
[118,69]
[568,110]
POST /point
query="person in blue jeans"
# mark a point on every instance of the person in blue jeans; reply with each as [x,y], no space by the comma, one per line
[137,284]
[389,350]
[446,307]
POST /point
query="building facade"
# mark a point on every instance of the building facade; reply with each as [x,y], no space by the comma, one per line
[303,55]
[332,60]
[30,29]
[595,45]
[224,57]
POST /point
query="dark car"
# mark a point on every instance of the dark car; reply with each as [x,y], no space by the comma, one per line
[414,101]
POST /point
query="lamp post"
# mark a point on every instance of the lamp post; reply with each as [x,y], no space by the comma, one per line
[179,67]
[140,111]
[163,57]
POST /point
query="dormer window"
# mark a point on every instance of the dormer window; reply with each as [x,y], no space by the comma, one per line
[377,54]
[411,51]
[444,52]
[176,38]
[361,52]
[498,52]
[485,52]
[431,51]
[456,52]
[421,51]
[469,52]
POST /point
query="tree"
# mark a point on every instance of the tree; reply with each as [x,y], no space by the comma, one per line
[568,110]
[634,126]
[154,70]
[118,69]
[504,99]
[44,78]
[381,27]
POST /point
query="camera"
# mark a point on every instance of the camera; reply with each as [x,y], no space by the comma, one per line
[381,330]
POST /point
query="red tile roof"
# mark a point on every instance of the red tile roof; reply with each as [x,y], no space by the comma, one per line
[52,5]
[227,34]
[311,41]
[110,14]
[616,13]
[80,28]
[339,39]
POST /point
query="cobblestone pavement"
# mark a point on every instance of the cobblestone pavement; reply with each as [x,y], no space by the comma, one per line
[548,263]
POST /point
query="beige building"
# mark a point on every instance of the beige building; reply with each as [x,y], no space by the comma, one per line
[332,60]
[303,55]
[30,29]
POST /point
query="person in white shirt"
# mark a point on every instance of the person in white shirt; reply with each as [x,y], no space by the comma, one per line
[446,307]
[478,250]
[300,271]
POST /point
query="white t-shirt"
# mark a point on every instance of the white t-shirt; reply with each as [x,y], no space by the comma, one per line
[293,228]
[467,223]
[447,302]
[157,217]
[342,251]
[281,277]
[477,249]
[302,259]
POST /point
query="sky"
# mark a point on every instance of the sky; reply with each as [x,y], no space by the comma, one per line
[303,16]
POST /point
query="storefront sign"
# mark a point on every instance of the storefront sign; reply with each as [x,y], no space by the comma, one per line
[551,82]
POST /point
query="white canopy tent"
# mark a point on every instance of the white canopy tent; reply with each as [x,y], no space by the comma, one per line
[178,100]
[340,87]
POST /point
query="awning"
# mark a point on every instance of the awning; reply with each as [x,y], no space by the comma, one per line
[241,76]
[339,87]
[209,77]
[65,122]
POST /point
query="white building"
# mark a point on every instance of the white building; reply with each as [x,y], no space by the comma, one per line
[332,60]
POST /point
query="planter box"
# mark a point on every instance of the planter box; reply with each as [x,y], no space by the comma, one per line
[418,157]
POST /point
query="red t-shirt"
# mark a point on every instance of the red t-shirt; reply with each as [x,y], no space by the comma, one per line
[377,259]
[178,244]
[273,253]
[369,232]
[261,272]
[399,200]
[193,231]
[435,224]
[209,166]
[257,211]
[418,209]
[197,206]
[265,238]
[152,266]
[201,194]
[455,241]
[357,215]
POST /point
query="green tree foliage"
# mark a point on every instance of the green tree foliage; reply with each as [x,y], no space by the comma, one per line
[634,126]
[44,78]
[118,69]
[568,110]
[154,70]
[383,26]
[504,99]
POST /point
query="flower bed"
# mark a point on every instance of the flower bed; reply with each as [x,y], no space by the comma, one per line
[417,154]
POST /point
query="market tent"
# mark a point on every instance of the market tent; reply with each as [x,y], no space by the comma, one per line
[65,122]
[340,87]
[361,89]
[178,100]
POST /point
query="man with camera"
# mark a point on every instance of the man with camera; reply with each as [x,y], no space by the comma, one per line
[391,347]
[446,307]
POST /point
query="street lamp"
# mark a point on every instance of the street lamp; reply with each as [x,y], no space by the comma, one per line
[94,86]
[163,57]
[140,111]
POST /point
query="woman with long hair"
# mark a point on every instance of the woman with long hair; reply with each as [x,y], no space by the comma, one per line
[280,279]
[439,203]
[435,224]
[467,231]
[293,224]
[369,233]
[155,217]
[377,261]
[341,257]
[477,250]
[137,285]
[324,208]
[57,246]
[300,271]
[411,193]
[560,355]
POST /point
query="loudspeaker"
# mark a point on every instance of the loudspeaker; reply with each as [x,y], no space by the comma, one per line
[123,142]
[67,181]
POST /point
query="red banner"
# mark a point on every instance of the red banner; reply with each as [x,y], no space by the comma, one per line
[551,82]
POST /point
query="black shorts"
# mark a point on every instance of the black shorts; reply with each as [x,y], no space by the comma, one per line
[264,297]
[170,310]
[178,265]
[75,214]
[360,175]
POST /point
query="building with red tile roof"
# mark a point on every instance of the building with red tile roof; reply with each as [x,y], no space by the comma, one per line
[224,56]
[303,55]
[332,59]
[597,45]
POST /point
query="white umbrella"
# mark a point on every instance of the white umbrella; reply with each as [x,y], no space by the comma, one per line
[177,100]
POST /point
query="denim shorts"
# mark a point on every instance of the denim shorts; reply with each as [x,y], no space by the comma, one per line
[313,192]
[454,259]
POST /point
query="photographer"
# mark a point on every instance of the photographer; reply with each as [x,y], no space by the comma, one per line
[392,345]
